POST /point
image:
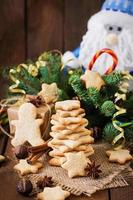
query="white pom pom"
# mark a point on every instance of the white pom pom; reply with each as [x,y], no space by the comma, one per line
[69,60]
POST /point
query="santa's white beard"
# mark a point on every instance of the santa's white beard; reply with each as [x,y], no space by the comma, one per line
[95,40]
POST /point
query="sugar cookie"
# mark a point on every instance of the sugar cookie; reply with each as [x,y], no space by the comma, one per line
[49,92]
[75,164]
[73,113]
[27,126]
[26,168]
[120,156]
[69,134]
[72,136]
[88,150]
[67,105]
[57,161]
[92,79]
[54,193]
[83,122]
[87,139]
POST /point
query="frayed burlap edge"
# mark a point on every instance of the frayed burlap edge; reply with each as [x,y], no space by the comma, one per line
[110,178]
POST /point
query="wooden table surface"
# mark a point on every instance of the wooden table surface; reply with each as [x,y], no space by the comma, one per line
[9,178]
[27,28]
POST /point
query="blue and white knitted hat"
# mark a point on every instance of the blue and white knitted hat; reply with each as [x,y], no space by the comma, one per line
[125,6]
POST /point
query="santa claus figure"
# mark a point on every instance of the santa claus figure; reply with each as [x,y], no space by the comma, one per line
[111,28]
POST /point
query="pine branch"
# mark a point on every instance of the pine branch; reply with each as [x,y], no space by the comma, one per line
[50,73]
[30,84]
[94,96]
[108,108]
[62,95]
[109,132]
[79,89]
[113,78]
[128,104]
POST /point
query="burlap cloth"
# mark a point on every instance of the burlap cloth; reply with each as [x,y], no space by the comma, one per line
[111,175]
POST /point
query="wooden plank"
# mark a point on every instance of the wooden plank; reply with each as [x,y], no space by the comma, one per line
[3,143]
[12,35]
[8,184]
[10,178]
[101,195]
[12,32]
[45,26]
[77,13]
[125,193]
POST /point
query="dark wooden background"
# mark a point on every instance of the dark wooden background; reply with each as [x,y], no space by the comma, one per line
[27,28]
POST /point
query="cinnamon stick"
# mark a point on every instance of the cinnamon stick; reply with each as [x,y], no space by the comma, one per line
[39,148]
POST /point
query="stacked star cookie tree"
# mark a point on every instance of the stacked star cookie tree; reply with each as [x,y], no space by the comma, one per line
[68,132]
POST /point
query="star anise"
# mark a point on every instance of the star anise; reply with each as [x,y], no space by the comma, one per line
[36,101]
[45,182]
[93,170]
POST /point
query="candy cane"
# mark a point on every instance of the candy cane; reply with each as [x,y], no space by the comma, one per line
[98,54]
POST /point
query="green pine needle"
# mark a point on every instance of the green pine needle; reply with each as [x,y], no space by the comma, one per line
[108,108]
[30,84]
[79,89]
[113,78]
[51,72]
[109,132]
[94,96]
[62,95]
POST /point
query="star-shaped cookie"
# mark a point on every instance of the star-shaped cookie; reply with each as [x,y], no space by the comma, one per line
[75,164]
[120,156]
[49,92]
[87,139]
[26,168]
[92,79]
[55,193]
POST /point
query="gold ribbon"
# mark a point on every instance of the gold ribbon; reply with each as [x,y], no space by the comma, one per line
[123,88]
[32,69]
[14,88]
[115,122]
[127,75]
[40,63]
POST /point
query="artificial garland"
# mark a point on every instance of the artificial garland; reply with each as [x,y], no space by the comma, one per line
[100,104]
[28,78]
